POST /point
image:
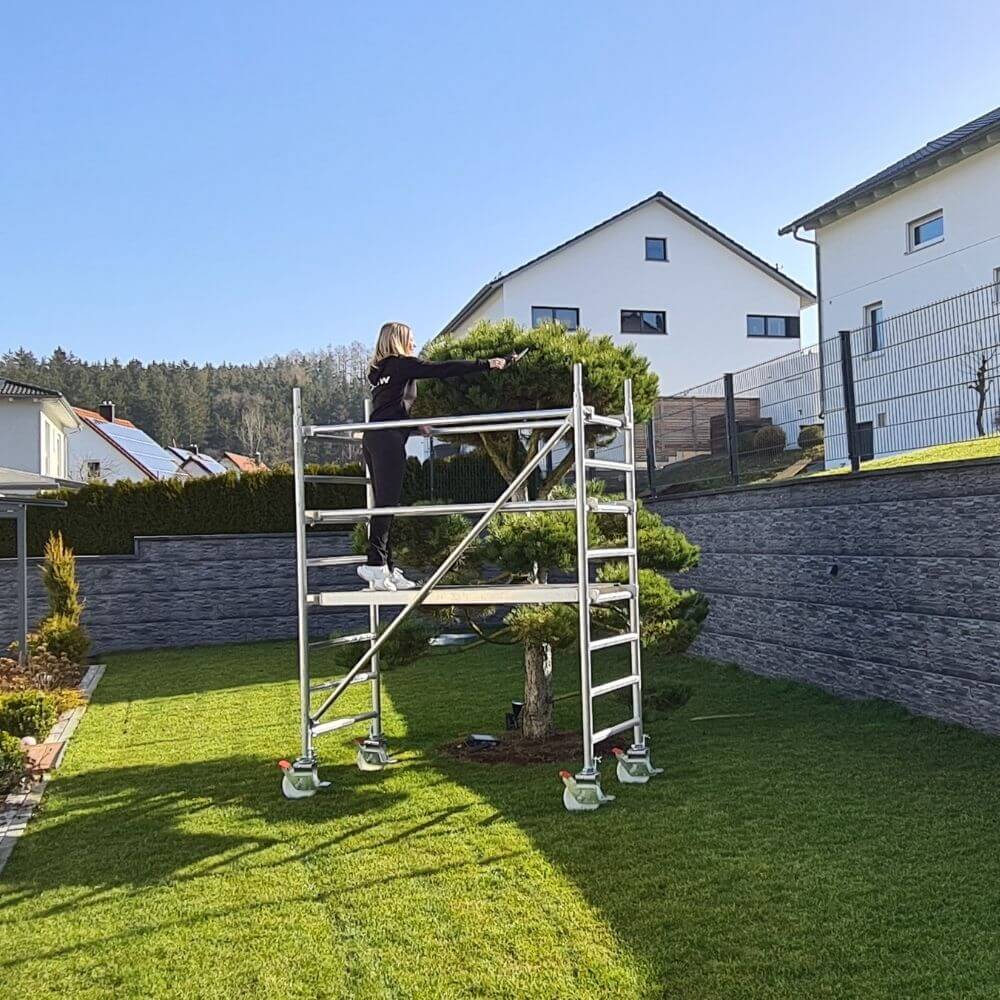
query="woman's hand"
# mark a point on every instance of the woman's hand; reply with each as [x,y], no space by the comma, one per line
[425,429]
[498,364]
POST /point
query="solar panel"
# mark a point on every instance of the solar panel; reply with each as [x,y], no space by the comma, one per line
[138,443]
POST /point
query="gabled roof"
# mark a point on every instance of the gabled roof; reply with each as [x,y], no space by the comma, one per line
[10,387]
[95,416]
[211,465]
[960,143]
[659,198]
[244,463]
[135,444]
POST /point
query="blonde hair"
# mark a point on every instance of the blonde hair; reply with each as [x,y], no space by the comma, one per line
[392,341]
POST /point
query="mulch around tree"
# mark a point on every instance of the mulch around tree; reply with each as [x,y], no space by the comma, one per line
[560,748]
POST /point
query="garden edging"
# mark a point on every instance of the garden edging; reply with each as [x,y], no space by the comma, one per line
[18,806]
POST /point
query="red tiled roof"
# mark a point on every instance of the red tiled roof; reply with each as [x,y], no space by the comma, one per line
[243,463]
[92,415]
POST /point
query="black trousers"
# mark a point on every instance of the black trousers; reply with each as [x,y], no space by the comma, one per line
[385,456]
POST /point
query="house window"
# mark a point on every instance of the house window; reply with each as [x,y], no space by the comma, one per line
[643,321]
[93,470]
[656,248]
[925,231]
[772,326]
[874,315]
[569,318]
[866,441]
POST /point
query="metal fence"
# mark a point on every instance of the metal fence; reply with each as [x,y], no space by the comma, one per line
[930,376]
[926,377]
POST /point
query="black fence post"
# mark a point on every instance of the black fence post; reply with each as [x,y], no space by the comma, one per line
[850,406]
[651,456]
[732,432]
[430,471]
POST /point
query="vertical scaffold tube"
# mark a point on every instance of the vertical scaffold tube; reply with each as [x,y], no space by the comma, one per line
[632,542]
[298,471]
[375,732]
[583,566]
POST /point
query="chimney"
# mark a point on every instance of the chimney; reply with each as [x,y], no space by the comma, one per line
[193,449]
[256,458]
[107,410]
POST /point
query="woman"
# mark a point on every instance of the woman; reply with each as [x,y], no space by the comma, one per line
[393,374]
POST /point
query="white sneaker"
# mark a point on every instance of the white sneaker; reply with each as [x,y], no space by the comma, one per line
[400,581]
[378,576]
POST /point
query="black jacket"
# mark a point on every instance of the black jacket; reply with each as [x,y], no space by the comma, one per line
[394,386]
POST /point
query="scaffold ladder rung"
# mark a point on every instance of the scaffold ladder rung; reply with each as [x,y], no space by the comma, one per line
[624,593]
[603,734]
[611,506]
[336,560]
[341,480]
[616,685]
[610,553]
[365,675]
[607,465]
[318,728]
[613,640]
[342,640]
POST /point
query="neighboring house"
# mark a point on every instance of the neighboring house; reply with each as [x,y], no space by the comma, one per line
[196,464]
[232,462]
[35,427]
[693,300]
[924,229]
[110,448]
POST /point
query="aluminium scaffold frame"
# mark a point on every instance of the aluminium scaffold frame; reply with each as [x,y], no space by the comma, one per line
[581,791]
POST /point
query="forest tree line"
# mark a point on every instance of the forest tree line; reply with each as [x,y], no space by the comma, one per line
[243,408]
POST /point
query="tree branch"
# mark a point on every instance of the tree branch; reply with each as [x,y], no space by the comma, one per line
[558,474]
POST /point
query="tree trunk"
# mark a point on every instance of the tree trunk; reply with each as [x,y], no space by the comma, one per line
[536,718]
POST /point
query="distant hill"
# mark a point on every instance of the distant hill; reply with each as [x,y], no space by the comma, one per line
[242,408]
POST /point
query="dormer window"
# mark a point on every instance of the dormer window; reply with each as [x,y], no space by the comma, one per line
[656,248]
[925,231]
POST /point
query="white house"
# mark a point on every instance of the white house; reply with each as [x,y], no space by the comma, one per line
[35,427]
[925,229]
[110,448]
[693,300]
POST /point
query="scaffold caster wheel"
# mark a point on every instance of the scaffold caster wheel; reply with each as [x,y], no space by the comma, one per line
[583,793]
[300,780]
[373,755]
[634,765]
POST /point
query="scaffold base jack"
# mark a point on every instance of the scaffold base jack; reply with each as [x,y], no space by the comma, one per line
[634,765]
[373,755]
[583,792]
[300,779]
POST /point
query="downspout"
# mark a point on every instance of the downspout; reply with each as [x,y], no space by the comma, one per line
[819,316]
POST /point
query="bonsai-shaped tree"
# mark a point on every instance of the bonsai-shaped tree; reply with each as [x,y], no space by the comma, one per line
[529,547]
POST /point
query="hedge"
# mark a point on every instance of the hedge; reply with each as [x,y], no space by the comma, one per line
[101,520]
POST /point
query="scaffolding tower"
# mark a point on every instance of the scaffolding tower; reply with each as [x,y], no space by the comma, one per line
[581,791]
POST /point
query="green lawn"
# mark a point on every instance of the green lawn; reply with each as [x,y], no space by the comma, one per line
[960,451]
[710,472]
[819,849]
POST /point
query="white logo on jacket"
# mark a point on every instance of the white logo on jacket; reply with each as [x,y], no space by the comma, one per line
[384,380]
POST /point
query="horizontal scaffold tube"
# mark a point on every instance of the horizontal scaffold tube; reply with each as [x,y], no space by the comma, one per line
[435,510]
[527,416]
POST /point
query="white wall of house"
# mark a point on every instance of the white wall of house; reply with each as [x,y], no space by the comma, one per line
[89,447]
[705,289]
[33,437]
[865,259]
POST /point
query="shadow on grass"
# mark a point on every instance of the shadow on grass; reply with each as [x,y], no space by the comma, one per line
[808,826]
[138,826]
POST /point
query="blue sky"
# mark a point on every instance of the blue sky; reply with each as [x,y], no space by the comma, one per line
[220,182]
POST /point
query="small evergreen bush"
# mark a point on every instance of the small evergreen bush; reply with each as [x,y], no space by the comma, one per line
[810,436]
[28,713]
[12,760]
[769,440]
